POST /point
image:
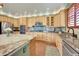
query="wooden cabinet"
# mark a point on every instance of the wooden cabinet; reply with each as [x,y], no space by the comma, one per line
[10,20]
[3,18]
[63,18]
[55,21]
[16,23]
[41,19]
[60,19]
[22,21]
[50,21]
[33,20]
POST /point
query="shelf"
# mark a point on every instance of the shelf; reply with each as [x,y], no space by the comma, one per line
[48,21]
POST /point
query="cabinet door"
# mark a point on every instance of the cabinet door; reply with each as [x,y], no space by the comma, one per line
[16,23]
[22,21]
[24,51]
[56,21]
[62,18]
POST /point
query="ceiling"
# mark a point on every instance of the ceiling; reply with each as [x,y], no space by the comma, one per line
[31,9]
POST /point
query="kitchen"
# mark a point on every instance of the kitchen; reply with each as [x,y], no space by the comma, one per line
[39,29]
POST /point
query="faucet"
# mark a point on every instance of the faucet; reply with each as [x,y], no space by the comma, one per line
[74,35]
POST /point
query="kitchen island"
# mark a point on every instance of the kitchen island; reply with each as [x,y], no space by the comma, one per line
[31,44]
[9,45]
[45,43]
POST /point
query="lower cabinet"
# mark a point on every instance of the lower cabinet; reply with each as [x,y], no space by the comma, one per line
[24,51]
[37,47]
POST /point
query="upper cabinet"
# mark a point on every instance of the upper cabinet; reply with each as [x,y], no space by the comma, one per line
[50,21]
[33,20]
[73,16]
[4,18]
[23,21]
[63,17]
[16,23]
[59,19]
[56,21]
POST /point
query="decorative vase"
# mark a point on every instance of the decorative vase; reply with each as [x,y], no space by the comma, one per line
[8,30]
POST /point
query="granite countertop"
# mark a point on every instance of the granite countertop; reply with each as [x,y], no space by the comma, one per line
[71,41]
[14,41]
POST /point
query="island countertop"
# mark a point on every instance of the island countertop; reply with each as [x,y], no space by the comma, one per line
[14,41]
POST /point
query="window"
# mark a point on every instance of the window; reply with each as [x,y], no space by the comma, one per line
[73,15]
